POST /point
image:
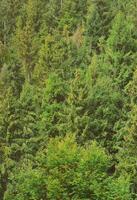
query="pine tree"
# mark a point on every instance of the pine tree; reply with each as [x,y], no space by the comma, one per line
[98,22]
[29,108]
[25,39]
[9,11]
[120,50]
[59,54]
[127,153]
[53,103]
[10,89]
[72,14]
[76,110]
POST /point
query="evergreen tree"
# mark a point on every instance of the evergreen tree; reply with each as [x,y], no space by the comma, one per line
[11,80]
[127,153]
[9,11]
[25,39]
[76,110]
[68,69]
[53,103]
[120,50]
[98,22]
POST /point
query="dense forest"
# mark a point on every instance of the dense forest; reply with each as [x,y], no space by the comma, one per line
[68,99]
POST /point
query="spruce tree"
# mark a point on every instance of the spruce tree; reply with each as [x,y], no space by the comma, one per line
[10,85]
[53,102]
[76,110]
[127,153]
[98,22]
[25,39]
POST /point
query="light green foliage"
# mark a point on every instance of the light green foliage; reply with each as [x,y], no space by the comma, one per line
[128,151]
[53,53]
[74,171]
[119,188]
[69,171]
[26,184]
[25,39]
[76,111]
[120,49]
[72,13]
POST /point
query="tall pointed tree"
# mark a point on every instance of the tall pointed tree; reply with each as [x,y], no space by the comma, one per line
[28,25]
[53,103]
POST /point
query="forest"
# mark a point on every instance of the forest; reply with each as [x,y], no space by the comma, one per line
[68,99]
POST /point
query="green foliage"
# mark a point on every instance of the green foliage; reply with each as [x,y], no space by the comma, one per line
[76,111]
[29,184]
[128,151]
[68,99]
[53,102]
[98,21]
[69,171]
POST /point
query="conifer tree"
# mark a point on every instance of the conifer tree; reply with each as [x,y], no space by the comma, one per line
[120,50]
[68,68]
[127,154]
[11,81]
[53,103]
[76,110]
[98,22]
[29,108]
[26,41]
[9,11]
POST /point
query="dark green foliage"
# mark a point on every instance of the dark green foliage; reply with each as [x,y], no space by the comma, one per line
[68,105]
[53,102]
[98,21]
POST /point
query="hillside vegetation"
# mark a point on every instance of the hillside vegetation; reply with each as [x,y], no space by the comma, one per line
[68,99]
